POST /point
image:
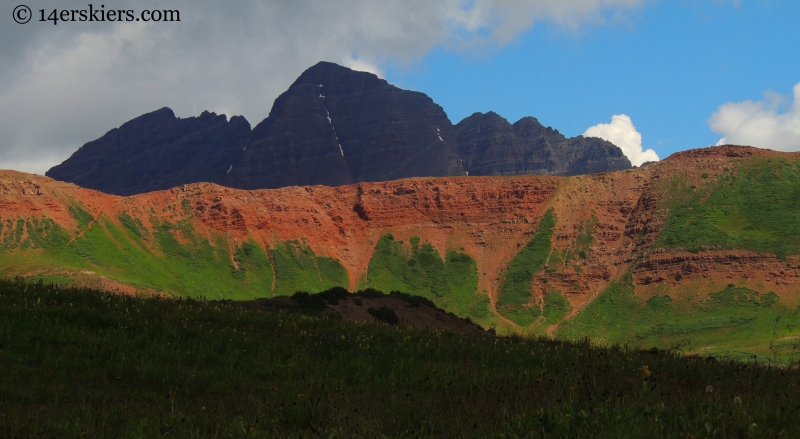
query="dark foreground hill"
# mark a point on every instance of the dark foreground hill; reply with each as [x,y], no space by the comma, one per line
[78,363]
[366,306]
[333,126]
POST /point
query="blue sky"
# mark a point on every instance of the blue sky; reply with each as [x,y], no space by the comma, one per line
[665,75]
[668,65]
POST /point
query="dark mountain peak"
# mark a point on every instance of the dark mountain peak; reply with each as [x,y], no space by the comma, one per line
[482,123]
[161,116]
[531,127]
[163,112]
[239,120]
[491,115]
[528,121]
[331,74]
[155,151]
[489,145]
[480,118]
[209,115]
[325,80]
[332,126]
[338,126]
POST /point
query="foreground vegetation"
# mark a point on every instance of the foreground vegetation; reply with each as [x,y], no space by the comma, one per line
[78,363]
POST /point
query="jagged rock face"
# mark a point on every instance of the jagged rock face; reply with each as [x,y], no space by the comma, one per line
[156,151]
[490,145]
[335,126]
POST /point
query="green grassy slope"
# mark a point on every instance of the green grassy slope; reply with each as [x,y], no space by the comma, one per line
[77,363]
[299,269]
[755,207]
[165,256]
[735,322]
[513,300]
[451,283]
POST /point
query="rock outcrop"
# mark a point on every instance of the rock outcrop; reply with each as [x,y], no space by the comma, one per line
[490,145]
[156,151]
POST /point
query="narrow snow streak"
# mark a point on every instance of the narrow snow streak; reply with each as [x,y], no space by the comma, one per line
[229,169]
[330,122]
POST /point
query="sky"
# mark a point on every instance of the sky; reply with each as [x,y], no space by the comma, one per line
[652,76]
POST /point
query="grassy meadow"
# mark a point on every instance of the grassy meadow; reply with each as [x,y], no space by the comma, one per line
[81,363]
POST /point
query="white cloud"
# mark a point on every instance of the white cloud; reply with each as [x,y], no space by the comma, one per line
[508,18]
[622,133]
[361,65]
[64,85]
[760,124]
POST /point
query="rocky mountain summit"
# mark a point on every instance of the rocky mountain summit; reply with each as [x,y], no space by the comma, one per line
[490,145]
[333,126]
[156,151]
[336,126]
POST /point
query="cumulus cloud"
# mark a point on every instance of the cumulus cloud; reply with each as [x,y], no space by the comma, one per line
[63,85]
[760,124]
[622,132]
[361,65]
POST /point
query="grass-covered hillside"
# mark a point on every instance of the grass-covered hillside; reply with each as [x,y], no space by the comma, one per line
[754,205]
[166,257]
[80,363]
[750,206]
[735,322]
[449,280]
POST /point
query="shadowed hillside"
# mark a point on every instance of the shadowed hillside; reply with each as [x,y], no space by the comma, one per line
[106,365]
